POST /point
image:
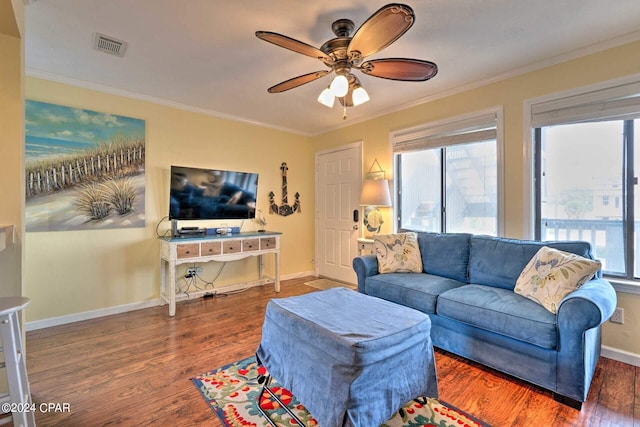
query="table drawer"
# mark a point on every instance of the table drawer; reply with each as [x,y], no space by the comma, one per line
[211,248]
[250,245]
[268,243]
[188,250]
[232,246]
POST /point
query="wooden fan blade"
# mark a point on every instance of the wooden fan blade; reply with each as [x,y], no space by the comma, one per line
[381,29]
[294,45]
[297,81]
[411,70]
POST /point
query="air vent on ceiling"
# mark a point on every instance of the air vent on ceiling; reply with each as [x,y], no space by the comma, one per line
[109,44]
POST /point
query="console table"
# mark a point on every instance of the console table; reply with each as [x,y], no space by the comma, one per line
[231,247]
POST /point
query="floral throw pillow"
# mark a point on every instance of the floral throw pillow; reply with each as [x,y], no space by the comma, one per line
[398,253]
[552,274]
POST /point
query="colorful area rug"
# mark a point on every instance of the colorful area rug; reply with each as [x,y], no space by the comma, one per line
[231,392]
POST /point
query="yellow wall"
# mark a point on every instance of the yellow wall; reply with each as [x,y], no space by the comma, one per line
[511,94]
[71,272]
[11,148]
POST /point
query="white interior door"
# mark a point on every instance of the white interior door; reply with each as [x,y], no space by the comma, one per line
[338,178]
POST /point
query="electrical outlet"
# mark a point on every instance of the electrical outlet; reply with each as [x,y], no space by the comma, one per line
[192,271]
[618,316]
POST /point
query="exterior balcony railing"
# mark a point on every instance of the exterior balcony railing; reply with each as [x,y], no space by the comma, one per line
[605,235]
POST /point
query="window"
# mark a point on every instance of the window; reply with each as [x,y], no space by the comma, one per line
[447,176]
[586,148]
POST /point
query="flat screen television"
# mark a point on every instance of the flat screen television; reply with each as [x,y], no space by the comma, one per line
[198,193]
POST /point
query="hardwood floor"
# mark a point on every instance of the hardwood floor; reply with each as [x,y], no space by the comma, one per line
[133,369]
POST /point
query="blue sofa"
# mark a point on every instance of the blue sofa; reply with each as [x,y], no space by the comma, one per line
[466,288]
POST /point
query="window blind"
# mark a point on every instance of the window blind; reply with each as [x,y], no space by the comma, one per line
[476,128]
[620,102]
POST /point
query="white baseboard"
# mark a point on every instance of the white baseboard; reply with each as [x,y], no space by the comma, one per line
[298,275]
[620,355]
[86,315]
[93,314]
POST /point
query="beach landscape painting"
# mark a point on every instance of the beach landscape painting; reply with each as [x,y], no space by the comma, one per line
[84,169]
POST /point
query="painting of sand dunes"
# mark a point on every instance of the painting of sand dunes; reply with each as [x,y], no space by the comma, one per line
[83,169]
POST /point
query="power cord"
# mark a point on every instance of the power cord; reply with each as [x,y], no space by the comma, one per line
[191,284]
[167,232]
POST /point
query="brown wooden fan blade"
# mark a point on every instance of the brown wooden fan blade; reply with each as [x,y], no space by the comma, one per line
[293,44]
[412,70]
[381,29]
[297,81]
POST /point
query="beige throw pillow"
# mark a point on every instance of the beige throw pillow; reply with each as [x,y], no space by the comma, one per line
[552,274]
[398,253]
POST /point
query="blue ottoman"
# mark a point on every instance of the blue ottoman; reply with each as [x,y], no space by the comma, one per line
[350,359]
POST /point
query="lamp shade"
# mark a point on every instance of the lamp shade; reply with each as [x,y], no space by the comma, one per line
[375,192]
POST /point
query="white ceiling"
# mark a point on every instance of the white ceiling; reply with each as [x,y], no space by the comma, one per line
[203,54]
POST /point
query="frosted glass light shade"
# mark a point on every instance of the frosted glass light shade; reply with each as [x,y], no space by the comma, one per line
[326,98]
[375,192]
[339,86]
[360,96]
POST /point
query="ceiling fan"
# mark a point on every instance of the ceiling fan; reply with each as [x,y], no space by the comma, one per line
[346,53]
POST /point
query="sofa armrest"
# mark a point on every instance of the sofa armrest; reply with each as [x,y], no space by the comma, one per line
[591,305]
[365,266]
[579,318]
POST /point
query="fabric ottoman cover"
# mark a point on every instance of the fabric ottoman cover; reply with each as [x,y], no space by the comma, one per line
[350,359]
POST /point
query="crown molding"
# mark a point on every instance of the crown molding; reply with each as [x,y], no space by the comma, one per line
[558,59]
[154,100]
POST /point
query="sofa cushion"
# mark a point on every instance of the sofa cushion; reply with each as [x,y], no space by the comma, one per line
[445,254]
[501,311]
[398,253]
[495,261]
[418,291]
[552,274]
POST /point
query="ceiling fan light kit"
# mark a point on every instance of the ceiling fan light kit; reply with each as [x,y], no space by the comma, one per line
[327,98]
[360,96]
[339,86]
[345,53]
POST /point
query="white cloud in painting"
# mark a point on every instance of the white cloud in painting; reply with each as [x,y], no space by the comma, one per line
[62,133]
[53,118]
[100,119]
[87,135]
[111,121]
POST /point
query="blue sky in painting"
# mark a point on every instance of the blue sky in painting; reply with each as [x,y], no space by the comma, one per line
[52,130]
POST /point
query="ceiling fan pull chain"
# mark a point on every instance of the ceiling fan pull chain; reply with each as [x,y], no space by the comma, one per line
[344,112]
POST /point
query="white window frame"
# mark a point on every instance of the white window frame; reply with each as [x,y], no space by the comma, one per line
[452,131]
[616,98]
